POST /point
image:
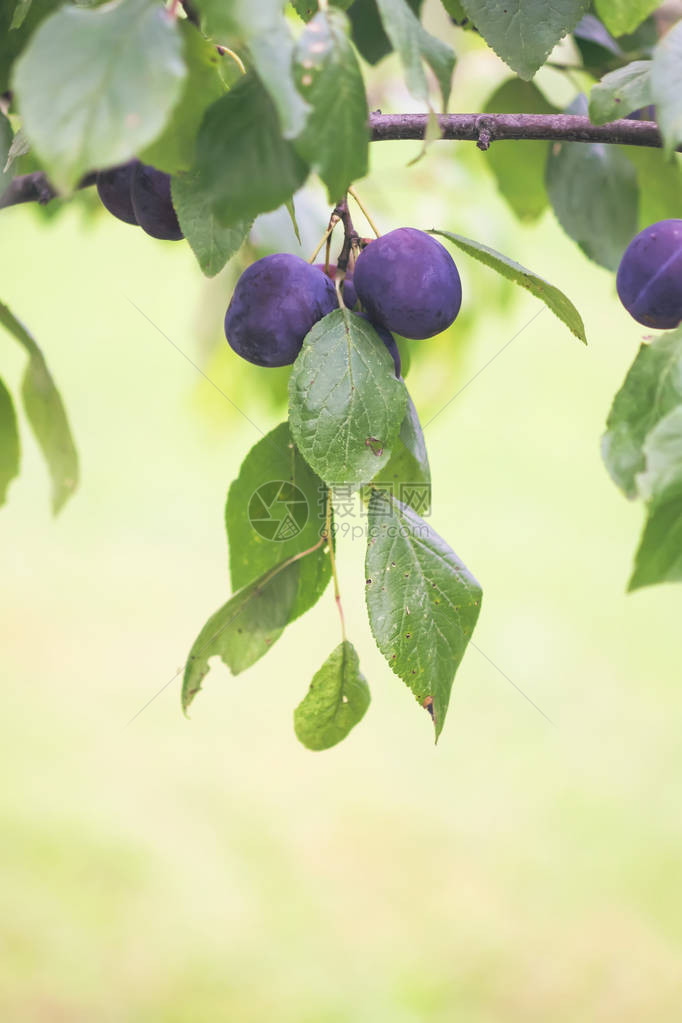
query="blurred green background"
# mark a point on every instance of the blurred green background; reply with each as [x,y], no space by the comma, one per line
[175,871]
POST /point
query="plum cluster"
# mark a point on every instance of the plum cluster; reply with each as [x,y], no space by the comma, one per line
[139,194]
[649,279]
[404,281]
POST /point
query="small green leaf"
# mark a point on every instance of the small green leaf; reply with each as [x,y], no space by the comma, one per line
[244,628]
[652,389]
[345,403]
[368,32]
[174,150]
[89,92]
[422,602]
[46,414]
[593,190]
[9,442]
[21,9]
[336,701]
[291,210]
[407,472]
[211,242]
[666,87]
[276,508]
[553,298]
[620,92]
[244,165]
[13,37]
[416,47]
[524,32]
[519,167]
[335,142]
[623,16]
[20,146]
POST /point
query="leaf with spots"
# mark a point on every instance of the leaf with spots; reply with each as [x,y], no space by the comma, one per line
[408,473]
[422,602]
[336,701]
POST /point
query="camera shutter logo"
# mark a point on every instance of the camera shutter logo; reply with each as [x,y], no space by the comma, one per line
[278,510]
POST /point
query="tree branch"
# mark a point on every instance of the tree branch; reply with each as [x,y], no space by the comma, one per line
[35,187]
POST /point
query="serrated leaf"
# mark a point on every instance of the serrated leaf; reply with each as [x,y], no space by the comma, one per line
[524,32]
[244,628]
[553,298]
[345,403]
[407,473]
[620,92]
[519,167]
[261,26]
[211,242]
[336,701]
[174,150]
[666,87]
[623,16]
[9,442]
[422,602]
[652,389]
[88,92]
[593,190]
[46,414]
[335,142]
[244,165]
[276,508]
[416,47]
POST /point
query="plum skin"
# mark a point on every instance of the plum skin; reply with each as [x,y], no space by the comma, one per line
[649,279]
[150,191]
[388,340]
[113,188]
[277,300]
[408,283]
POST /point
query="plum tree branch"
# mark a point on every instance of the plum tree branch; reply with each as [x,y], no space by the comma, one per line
[483,129]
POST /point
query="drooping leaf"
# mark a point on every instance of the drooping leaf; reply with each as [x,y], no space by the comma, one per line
[368,32]
[553,298]
[620,92]
[623,16]
[524,32]
[243,163]
[260,25]
[345,403]
[46,414]
[660,184]
[666,87]
[593,190]
[173,151]
[9,442]
[422,602]
[416,47]
[336,701]
[211,242]
[651,390]
[89,94]
[276,508]
[407,473]
[519,167]
[335,142]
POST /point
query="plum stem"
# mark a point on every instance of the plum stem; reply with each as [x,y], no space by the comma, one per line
[356,197]
[225,51]
[325,238]
[332,559]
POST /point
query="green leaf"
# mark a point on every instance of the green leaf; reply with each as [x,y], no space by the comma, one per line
[46,414]
[21,9]
[9,442]
[368,32]
[261,26]
[416,47]
[553,298]
[666,87]
[620,92]
[660,184]
[244,165]
[291,210]
[13,38]
[276,508]
[652,389]
[455,9]
[174,150]
[422,602]
[593,190]
[524,32]
[335,142]
[623,16]
[6,142]
[519,167]
[244,628]
[336,701]
[407,473]
[211,242]
[345,403]
[19,147]
[95,86]
[307,9]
